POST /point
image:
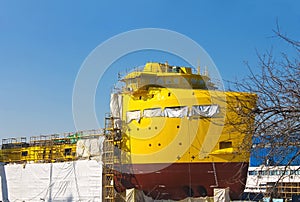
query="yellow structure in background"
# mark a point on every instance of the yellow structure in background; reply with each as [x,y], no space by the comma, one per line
[44,148]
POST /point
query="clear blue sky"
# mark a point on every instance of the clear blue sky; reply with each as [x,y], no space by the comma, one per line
[44,43]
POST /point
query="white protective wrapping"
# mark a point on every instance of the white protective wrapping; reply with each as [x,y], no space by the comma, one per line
[154,112]
[90,148]
[221,195]
[134,195]
[67,181]
[116,108]
[116,105]
[133,115]
[3,181]
[204,110]
[176,112]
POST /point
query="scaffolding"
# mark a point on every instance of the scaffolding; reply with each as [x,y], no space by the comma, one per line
[40,149]
[43,148]
[284,190]
[111,157]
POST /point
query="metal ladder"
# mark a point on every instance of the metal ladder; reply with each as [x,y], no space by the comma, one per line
[214,171]
[109,158]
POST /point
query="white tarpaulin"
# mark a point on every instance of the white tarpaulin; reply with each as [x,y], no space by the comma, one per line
[155,112]
[67,181]
[135,195]
[116,109]
[133,115]
[90,148]
[176,112]
[204,110]
[3,181]
[221,195]
[116,105]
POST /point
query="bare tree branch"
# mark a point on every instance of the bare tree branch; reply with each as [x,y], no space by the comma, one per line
[277,116]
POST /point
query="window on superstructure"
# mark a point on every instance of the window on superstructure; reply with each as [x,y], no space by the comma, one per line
[252,172]
[24,153]
[194,81]
[68,151]
[225,145]
[152,81]
[168,80]
[279,172]
[160,81]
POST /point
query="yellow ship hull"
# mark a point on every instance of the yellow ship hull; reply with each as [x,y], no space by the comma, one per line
[178,157]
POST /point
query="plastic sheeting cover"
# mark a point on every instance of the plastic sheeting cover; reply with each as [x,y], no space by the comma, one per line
[116,109]
[133,195]
[221,195]
[116,105]
[90,148]
[205,110]
[155,112]
[176,112]
[133,115]
[68,181]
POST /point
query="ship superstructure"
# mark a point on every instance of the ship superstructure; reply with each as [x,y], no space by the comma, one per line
[181,136]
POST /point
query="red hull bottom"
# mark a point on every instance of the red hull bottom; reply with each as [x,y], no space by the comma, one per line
[180,180]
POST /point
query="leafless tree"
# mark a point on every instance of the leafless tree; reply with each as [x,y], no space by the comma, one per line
[276,132]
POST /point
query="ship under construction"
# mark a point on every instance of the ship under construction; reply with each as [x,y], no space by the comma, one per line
[171,133]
